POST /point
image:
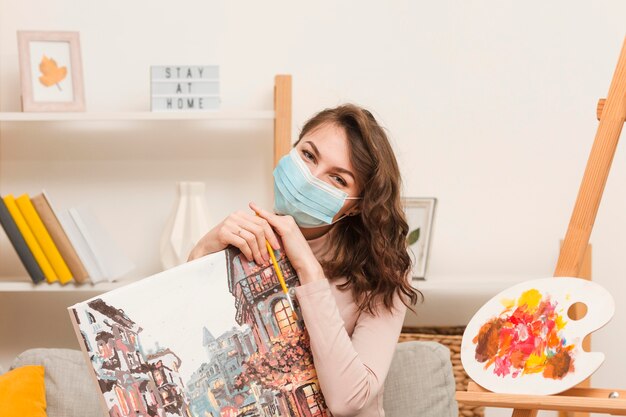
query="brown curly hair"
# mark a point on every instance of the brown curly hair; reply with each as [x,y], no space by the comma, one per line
[369,248]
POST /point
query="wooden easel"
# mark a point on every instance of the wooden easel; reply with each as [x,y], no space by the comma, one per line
[574,261]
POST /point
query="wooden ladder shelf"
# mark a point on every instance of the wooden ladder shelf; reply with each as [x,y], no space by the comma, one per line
[573,257]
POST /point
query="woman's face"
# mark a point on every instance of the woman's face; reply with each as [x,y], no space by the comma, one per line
[326,152]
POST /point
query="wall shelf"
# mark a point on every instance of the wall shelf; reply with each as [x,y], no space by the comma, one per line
[136,116]
[23,286]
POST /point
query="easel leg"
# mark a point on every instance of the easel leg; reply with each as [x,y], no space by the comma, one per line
[596,174]
[585,272]
[520,412]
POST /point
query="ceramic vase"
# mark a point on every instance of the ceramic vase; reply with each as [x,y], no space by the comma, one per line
[188,222]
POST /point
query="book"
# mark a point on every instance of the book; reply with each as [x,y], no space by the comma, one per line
[18,242]
[81,246]
[30,239]
[44,208]
[111,261]
[43,238]
[211,337]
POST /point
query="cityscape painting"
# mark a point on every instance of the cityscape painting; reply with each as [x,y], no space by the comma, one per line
[214,337]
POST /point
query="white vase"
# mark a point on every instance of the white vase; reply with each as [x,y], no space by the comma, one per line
[188,222]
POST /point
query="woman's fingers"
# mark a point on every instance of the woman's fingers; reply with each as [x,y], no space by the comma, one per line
[253,244]
[251,233]
[267,231]
[283,225]
[244,247]
[254,234]
[235,233]
[274,220]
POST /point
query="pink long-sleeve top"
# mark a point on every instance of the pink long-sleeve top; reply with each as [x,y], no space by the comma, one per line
[352,350]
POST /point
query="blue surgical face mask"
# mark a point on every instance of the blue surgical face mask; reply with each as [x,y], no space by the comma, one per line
[300,194]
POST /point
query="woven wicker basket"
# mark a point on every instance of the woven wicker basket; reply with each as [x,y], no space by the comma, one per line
[451,338]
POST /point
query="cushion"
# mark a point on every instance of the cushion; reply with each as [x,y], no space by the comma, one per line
[71,389]
[420,382]
[23,393]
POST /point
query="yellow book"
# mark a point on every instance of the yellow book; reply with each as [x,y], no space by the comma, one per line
[43,238]
[30,239]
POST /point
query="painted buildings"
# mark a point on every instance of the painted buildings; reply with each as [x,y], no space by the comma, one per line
[261,305]
[259,299]
[212,389]
[164,365]
[264,314]
[125,376]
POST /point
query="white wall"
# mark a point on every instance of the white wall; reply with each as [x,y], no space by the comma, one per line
[490,105]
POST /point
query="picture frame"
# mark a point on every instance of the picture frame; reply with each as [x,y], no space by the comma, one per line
[51,73]
[420,213]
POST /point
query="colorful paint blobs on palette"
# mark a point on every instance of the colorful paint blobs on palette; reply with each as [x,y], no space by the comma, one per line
[522,340]
[526,338]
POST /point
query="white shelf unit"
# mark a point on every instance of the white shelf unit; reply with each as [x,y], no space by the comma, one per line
[136,116]
[281,116]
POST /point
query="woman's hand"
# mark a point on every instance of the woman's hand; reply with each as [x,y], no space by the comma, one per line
[243,230]
[295,245]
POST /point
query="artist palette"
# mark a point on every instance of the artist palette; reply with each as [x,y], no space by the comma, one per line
[524,341]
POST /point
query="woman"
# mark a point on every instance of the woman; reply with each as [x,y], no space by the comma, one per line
[341,224]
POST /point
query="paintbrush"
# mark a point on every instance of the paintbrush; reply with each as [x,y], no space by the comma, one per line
[281,279]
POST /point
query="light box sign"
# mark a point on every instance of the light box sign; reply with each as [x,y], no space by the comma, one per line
[185,88]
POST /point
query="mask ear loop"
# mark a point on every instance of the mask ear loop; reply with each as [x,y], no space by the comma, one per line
[341,218]
[344,215]
[347,198]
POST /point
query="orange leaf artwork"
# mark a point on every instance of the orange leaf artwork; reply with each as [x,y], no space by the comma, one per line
[52,73]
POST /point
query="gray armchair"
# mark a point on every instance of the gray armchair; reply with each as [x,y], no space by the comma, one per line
[420,382]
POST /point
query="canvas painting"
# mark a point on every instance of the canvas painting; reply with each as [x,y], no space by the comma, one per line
[212,337]
[523,340]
